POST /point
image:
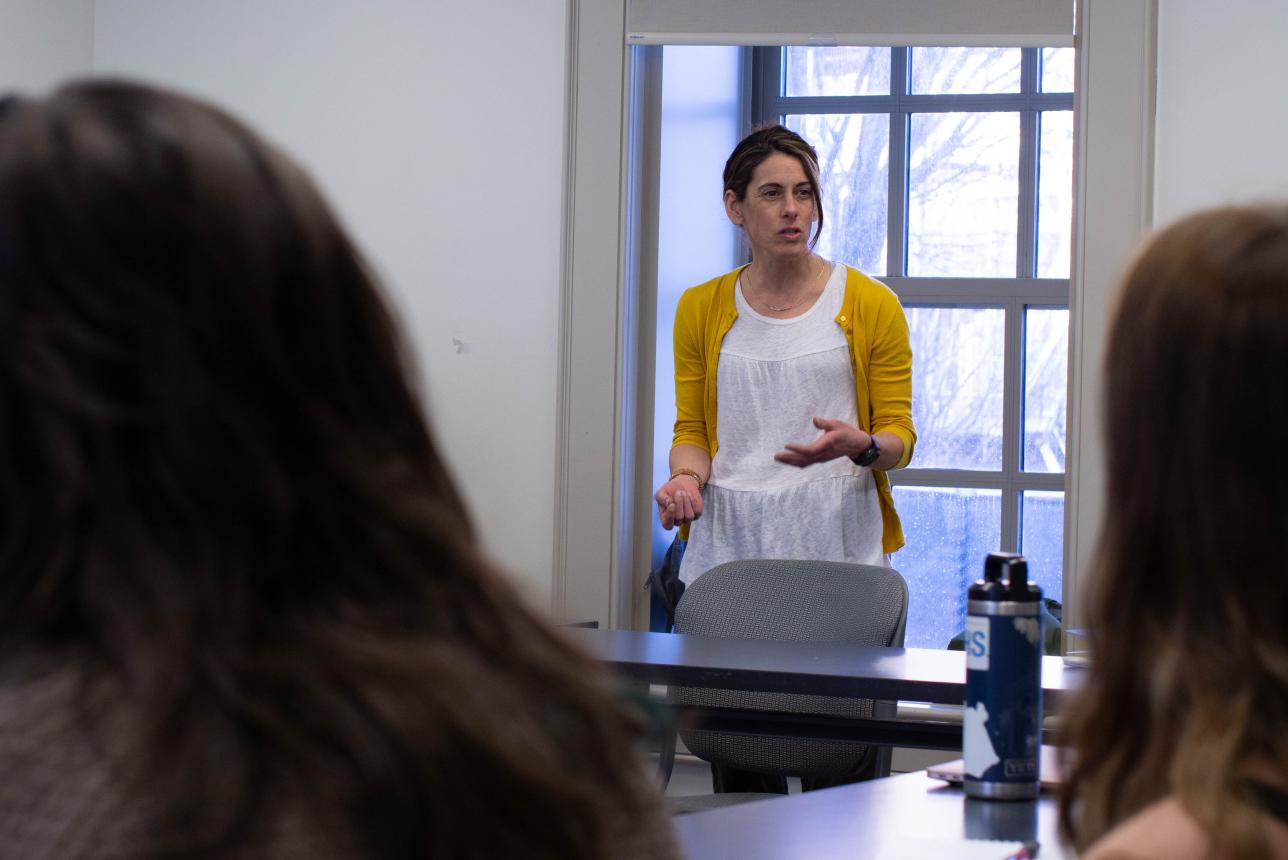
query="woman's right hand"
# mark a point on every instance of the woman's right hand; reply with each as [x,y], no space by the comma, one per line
[679,501]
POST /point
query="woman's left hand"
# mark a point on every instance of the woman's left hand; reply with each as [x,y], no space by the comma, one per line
[839,439]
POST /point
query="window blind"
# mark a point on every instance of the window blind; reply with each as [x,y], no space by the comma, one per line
[1005,23]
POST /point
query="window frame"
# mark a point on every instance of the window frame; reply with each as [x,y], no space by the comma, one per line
[595,566]
[1013,295]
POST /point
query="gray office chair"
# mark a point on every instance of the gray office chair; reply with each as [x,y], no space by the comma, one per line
[790,601]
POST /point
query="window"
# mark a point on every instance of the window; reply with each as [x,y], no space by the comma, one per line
[947,172]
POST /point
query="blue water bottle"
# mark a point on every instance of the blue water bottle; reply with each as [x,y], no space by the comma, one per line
[1002,723]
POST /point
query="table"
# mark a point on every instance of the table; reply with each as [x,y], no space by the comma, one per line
[900,816]
[908,674]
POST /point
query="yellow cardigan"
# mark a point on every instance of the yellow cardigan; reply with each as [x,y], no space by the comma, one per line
[880,356]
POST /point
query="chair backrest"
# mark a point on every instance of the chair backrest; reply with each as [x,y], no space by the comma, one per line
[790,601]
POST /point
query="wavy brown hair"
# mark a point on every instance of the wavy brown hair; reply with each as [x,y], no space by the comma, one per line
[1188,690]
[763,142]
[218,490]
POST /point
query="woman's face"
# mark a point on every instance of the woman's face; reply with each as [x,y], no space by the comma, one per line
[778,211]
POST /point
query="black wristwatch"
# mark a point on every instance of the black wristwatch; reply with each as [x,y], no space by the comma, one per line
[868,457]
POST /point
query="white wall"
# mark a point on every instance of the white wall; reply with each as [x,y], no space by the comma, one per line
[1214,132]
[437,129]
[43,42]
[1222,122]
[384,101]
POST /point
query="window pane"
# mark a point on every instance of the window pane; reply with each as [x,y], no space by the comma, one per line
[854,166]
[965,70]
[1057,70]
[948,533]
[1042,540]
[1055,193]
[963,197]
[957,387]
[836,71]
[1046,386]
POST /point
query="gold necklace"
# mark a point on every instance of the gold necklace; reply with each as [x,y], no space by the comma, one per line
[787,307]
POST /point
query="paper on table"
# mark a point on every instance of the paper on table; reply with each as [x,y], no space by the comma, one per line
[1078,659]
[1052,774]
[920,848]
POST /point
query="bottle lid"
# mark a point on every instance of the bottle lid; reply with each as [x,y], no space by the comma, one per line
[1006,577]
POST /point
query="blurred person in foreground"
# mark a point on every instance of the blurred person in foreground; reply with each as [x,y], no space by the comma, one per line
[242,610]
[1179,739]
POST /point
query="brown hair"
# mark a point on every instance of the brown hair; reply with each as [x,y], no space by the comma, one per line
[217,489]
[1188,688]
[763,142]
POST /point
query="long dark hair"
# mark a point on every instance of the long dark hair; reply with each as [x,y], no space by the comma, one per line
[1188,691]
[217,489]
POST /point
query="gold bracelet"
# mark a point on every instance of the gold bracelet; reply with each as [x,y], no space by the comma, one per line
[692,474]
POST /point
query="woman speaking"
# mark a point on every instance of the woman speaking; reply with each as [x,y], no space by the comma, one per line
[793,385]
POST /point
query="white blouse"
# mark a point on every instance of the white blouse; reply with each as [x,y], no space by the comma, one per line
[773,378]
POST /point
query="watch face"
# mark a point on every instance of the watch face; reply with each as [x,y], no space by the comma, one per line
[868,457]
